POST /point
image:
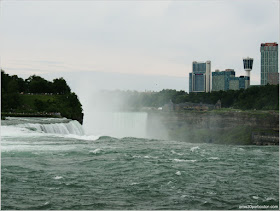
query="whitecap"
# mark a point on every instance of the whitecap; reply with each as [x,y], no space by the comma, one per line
[82,137]
[255,197]
[178,173]
[214,158]
[53,188]
[176,153]
[180,160]
[58,177]
[270,199]
[194,148]
[146,156]
[95,151]
[211,192]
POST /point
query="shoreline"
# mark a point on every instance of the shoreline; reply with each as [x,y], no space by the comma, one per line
[221,126]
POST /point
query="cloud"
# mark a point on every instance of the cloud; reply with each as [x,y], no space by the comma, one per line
[138,37]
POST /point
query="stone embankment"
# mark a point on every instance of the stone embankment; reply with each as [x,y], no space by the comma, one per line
[263,138]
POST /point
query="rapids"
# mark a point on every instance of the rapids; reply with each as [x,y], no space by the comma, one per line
[52,164]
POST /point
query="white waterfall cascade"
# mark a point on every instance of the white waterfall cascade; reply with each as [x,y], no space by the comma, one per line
[116,124]
[72,127]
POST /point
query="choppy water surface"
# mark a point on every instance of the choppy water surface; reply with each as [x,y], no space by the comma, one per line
[69,170]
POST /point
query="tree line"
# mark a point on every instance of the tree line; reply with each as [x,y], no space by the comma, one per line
[62,100]
[33,84]
[255,97]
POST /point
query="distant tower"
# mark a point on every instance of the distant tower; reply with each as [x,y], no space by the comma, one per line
[248,65]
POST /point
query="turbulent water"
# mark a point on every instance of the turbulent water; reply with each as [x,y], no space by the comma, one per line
[52,164]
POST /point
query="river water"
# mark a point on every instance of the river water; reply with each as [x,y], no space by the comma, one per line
[53,164]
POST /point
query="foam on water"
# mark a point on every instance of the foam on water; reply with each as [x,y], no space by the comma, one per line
[269,199]
[213,158]
[178,173]
[176,153]
[194,148]
[82,137]
[58,177]
[96,151]
[15,131]
[180,160]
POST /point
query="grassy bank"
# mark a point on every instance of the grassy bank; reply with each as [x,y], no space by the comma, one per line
[29,101]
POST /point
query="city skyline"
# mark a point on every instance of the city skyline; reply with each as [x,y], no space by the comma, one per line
[134,40]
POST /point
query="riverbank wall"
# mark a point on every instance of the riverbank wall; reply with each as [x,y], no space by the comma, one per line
[217,126]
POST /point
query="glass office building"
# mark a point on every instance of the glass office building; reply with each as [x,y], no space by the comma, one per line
[220,79]
[269,61]
[200,77]
[226,80]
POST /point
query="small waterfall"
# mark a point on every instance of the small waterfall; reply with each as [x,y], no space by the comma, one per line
[72,127]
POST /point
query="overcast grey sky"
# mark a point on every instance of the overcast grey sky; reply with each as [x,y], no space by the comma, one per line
[137,45]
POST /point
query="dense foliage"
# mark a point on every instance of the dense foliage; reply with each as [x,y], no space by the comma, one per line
[35,94]
[34,84]
[255,97]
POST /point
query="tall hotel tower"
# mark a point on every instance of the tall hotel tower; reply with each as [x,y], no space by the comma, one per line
[269,63]
[199,78]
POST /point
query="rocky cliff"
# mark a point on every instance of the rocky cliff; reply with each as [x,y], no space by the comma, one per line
[218,126]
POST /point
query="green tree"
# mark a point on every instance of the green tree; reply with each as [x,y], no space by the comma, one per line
[40,105]
[37,84]
[60,86]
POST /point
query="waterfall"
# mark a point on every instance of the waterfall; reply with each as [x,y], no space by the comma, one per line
[72,127]
[117,124]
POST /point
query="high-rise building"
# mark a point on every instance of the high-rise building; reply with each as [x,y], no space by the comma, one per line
[273,78]
[269,62]
[241,82]
[220,79]
[226,80]
[244,82]
[200,77]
